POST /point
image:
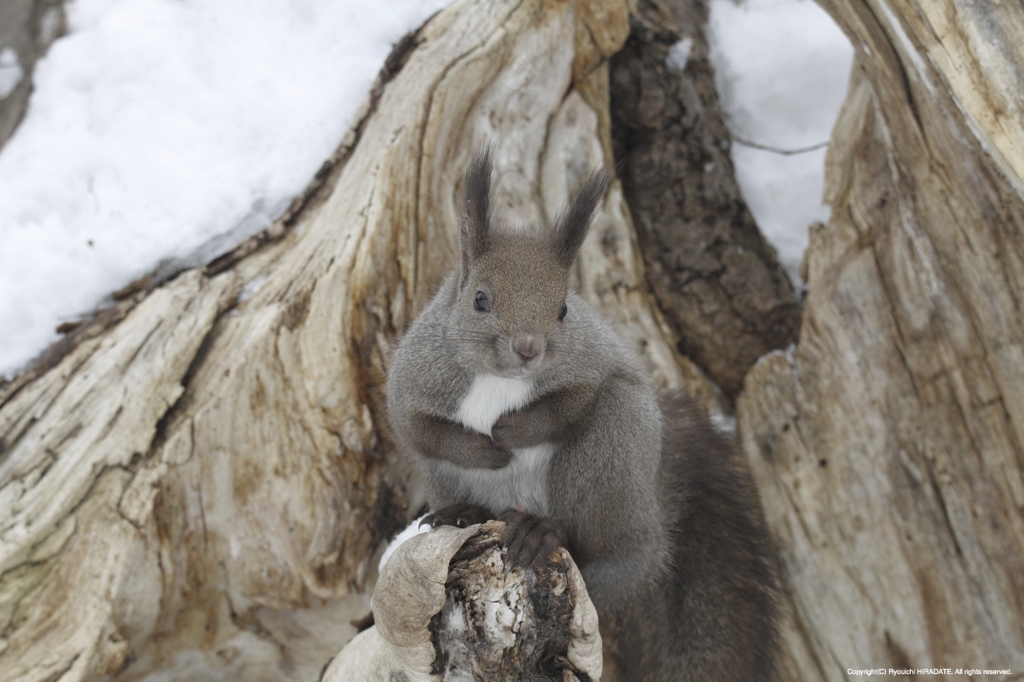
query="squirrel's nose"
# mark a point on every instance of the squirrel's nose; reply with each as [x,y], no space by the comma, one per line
[526,345]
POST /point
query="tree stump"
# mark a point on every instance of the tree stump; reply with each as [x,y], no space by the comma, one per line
[192,484]
[194,481]
[446,605]
[888,445]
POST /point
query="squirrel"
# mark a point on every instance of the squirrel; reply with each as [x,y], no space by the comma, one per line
[517,401]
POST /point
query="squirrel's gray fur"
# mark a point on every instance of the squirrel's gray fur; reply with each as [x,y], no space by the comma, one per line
[512,410]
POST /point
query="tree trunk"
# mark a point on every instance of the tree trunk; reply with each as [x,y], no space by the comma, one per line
[195,480]
[719,282]
[888,445]
[446,607]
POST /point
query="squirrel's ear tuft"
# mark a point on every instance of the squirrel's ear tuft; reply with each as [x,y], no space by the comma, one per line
[476,217]
[574,222]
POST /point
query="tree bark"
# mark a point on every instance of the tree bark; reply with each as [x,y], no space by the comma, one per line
[716,278]
[446,607]
[195,480]
[888,445]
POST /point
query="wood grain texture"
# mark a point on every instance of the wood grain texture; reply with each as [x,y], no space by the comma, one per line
[888,445]
[194,484]
[193,487]
[447,607]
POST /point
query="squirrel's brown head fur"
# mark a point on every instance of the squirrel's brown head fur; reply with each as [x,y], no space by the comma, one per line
[513,284]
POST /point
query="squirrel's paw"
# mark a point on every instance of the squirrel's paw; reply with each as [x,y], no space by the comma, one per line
[530,539]
[515,430]
[484,454]
[461,515]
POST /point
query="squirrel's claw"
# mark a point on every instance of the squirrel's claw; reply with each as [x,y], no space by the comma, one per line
[530,539]
[461,515]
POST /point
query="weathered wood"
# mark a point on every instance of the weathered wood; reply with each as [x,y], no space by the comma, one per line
[888,445]
[446,605]
[196,484]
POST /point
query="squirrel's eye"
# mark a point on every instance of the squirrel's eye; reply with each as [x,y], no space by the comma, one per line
[481,302]
[562,311]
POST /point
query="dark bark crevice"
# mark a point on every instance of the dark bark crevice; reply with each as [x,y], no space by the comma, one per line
[715,277]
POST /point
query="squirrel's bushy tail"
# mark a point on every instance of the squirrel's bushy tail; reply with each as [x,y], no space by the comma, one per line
[716,619]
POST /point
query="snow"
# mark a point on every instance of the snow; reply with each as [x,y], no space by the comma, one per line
[679,54]
[10,72]
[251,287]
[168,130]
[412,530]
[158,127]
[781,69]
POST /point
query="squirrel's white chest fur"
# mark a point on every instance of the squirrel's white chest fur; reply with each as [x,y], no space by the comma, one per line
[490,397]
[523,483]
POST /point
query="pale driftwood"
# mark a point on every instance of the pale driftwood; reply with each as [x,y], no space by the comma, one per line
[196,487]
[889,445]
[488,621]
